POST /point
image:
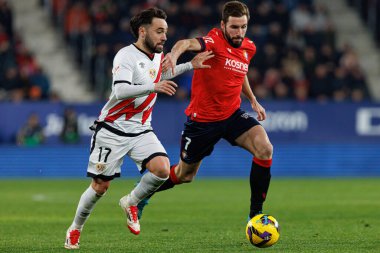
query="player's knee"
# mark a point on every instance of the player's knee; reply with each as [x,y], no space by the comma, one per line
[159,166]
[162,172]
[101,190]
[265,151]
[100,186]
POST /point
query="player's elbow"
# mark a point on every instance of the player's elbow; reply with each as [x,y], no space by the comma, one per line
[119,97]
[120,94]
[184,43]
[190,44]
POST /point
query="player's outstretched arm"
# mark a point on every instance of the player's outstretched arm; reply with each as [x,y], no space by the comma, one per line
[127,90]
[170,60]
[247,91]
[196,63]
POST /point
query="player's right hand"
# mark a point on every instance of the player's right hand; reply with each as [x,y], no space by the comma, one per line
[167,87]
[200,58]
[261,114]
[169,62]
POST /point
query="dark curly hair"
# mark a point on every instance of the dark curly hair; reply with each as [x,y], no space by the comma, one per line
[145,18]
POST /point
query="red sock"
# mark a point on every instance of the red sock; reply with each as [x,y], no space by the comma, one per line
[173,176]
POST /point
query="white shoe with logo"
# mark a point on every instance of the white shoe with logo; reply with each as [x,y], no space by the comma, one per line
[131,212]
[72,239]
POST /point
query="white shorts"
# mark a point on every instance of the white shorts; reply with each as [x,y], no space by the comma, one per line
[108,151]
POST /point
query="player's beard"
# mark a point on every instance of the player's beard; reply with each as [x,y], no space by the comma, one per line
[231,41]
[149,44]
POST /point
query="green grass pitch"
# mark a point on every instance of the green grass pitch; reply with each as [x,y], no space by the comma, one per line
[208,215]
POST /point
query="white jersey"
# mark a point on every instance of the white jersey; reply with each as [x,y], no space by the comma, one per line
[132,98]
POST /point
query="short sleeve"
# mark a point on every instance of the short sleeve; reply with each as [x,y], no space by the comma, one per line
[207,43]
[252,49]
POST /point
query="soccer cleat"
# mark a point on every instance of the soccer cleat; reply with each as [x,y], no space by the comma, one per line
[133,223]
[72,239]
[253,214]
[141,206]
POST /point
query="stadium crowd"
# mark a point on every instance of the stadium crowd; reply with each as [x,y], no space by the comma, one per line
[297,57]
[369,12]
[21,77]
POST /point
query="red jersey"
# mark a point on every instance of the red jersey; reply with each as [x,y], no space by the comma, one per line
[215,92]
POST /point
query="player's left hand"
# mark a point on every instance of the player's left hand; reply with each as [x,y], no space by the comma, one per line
[169,62]
[200,58]
[261,114]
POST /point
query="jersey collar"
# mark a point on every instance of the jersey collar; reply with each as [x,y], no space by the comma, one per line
[150,56]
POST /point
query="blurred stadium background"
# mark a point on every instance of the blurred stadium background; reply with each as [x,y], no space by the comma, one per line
[316,71]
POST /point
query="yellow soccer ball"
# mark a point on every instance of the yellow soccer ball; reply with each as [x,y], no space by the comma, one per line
[263,230]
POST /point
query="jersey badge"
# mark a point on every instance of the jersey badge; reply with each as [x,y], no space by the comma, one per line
[142,65]
[152,73]
[100,167]
[229,50]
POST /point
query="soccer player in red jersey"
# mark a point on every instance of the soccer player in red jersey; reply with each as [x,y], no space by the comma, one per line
[214,110]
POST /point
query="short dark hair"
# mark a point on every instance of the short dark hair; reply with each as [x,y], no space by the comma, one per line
[145,18]
[234,9]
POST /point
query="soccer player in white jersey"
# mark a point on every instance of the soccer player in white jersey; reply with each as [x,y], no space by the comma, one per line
[124,128]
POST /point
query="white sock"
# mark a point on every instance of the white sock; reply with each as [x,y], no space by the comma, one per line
[149,183]
[86,204]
